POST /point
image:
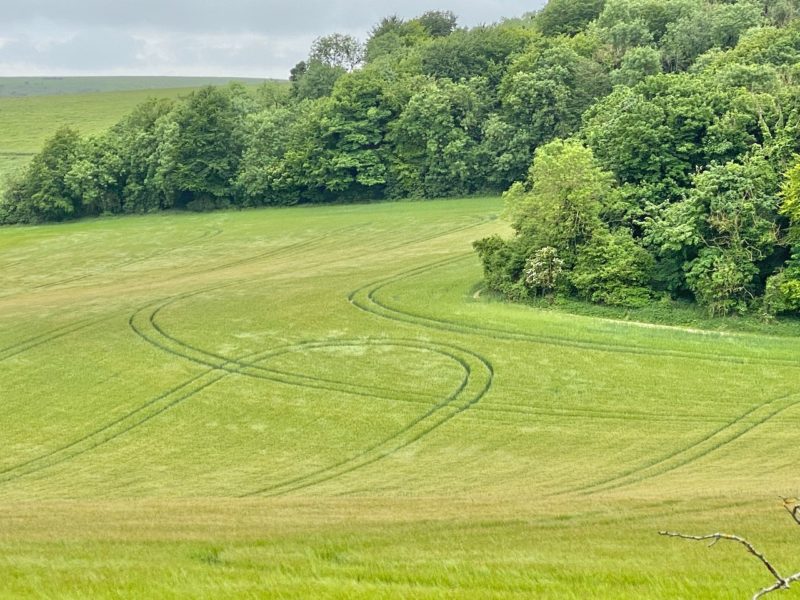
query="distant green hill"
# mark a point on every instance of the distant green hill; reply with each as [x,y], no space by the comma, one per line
[26,121]
[56,86]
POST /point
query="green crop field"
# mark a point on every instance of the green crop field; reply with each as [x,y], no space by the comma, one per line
[57,86]
[321,402]
[90,105]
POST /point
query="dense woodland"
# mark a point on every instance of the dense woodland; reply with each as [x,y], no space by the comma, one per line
[647,148]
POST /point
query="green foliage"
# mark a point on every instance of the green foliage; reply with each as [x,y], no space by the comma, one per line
[42,192]
[96,177]
[437,141]
[544,269]
[438,23]
[727,229]
[781,12]
[15,206]
[200,149]
[790,205]
[543,96]
[767,46]
[137,142]
[504,265]
[392,37]
[662,130]
[272,161]
[613,269]
[337,50]
[315,80]
[479,52]
[782,293]
[567,16]
[638,64]
[330,57]
[630,135]
[723,279]
[560,204]
[716,25]
[352,127]
[651,17]
[556,216]
[268,95]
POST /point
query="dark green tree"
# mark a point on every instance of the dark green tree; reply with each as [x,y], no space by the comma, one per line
[436,141]
[638,64]
[478,52]
[316,80]
[98,176]
[543,95]
[278,145]
[612,268]
[41,192]
[393,36]
[200,149]
[438,23]
[727,232]
[783,287]
[352,127]
[567,16]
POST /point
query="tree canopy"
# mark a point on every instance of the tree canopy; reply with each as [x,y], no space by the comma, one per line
[648,148]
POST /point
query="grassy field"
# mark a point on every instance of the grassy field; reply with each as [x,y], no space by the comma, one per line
[319,402]
[26,122]
[58,86]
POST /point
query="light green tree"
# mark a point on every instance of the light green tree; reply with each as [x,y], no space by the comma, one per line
[559,204]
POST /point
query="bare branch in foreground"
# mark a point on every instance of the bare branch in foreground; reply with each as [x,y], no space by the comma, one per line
[781,583]
[792,506]
[715,537]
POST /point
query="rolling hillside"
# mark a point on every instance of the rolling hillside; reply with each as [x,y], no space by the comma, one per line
[88,104]
[321,401]
[60,86]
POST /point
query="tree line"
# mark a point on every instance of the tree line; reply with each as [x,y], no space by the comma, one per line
[683,180]
[645,147]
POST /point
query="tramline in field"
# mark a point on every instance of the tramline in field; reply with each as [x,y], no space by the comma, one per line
[316,399]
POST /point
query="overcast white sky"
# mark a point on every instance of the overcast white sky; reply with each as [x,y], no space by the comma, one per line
[245,38]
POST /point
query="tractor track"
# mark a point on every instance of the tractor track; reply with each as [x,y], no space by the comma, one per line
[711,442]
[112,430]
[364,298]
[412,432]
[205,236]
[49,336]
[220,367]
[160,338]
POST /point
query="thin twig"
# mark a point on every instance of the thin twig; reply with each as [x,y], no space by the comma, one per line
[792,506]
[733,538]
[781,583]
[778,585]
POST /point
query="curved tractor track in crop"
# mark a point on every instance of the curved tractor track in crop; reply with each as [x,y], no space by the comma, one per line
[367,298]
[424,335]
[434,412]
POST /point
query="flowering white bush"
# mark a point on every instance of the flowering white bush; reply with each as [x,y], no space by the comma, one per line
[543,269]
